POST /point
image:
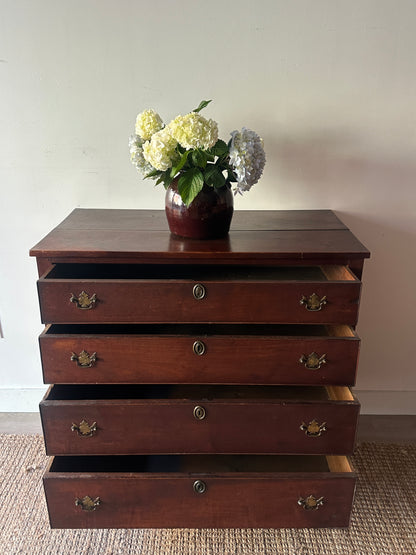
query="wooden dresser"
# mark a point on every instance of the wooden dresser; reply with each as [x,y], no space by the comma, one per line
[199,384]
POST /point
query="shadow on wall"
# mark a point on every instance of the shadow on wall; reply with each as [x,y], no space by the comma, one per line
[375,196]
[387,319]
[337,169]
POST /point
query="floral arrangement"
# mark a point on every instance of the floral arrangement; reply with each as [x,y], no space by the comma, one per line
[188,149]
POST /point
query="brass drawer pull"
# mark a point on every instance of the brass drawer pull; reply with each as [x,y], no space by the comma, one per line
[198,291]
[83,429]
[199,413]
[199,486]
[198,348]
[84,301]
[313,361]
[311,503]
[84,359]
[313,303]
[87,503]
[313,429]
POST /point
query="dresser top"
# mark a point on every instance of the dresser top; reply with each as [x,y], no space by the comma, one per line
[144,235]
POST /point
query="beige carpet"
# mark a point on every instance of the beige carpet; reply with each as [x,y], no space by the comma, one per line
[383,520]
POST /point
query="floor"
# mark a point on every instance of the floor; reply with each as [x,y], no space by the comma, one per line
[20,423]
[387,428]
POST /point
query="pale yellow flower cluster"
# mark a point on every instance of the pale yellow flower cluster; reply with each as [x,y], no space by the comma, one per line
[160,150]
[159,143]
[184,148]
[194,131]
[148,123]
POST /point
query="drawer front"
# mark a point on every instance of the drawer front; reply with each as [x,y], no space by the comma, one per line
[152,301]
[249,359]
[170,501]
[174,426]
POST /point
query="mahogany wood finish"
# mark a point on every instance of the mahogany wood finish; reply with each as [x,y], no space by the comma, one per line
[243,220]
[264,499]
[153,422]
[153,301]
[151,354]
[255,237]
[146,441]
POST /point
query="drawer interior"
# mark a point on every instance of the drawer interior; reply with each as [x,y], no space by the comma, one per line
[200,272]
[197,392]
[201,330]
[200,463]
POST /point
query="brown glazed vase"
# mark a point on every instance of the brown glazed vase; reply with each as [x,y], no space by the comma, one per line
[208,216]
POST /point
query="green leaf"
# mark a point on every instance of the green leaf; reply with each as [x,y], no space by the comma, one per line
[180,164]
[231,176]
[214,177]
[167,181]
[152,174]
[219,149]
[190,184]
[199,158]
[164,178]
[202,104]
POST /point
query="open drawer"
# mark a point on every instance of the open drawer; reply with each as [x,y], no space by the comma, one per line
[199,353]
[183,419]
[199,491]
[135,293]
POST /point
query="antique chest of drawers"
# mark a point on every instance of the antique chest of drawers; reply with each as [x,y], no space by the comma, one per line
[199,383]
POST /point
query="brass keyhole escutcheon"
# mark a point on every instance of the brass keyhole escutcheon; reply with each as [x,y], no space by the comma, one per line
[84,301]
[198,347]
[84,359]
[87,503]
[313,361]
[199,486]
[313,303]
[198,291]
[199,412]
[311,503]
[313,429]
[83,429]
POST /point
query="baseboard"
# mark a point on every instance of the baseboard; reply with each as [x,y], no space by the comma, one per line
[372,402]
[25,399]
[386,402]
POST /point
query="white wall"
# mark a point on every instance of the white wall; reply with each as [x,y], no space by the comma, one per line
[329,84]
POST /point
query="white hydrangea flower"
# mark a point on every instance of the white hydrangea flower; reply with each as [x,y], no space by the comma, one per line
[160,150]
[148,123]
[136,155]
[247,157]
[194,131]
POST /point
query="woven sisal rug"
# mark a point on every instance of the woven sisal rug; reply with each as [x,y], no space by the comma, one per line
[383,520]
